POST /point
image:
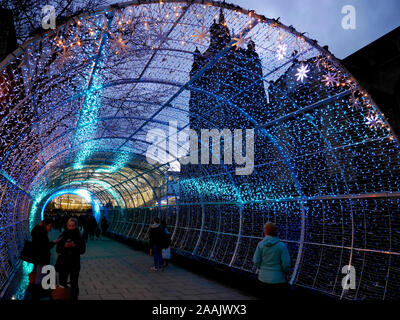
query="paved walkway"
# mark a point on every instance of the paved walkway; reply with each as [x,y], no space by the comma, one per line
[112,270]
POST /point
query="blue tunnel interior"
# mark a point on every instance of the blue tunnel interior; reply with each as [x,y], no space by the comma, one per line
[107,102]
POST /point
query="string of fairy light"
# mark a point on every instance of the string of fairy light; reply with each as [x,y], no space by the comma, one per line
[332,160]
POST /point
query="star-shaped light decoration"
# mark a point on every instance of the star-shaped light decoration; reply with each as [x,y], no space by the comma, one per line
[239,41]
[281,51]
[373,120]
[354,102]
[200,35]
[118,43]
[302,72]
[331,79]
[64,56]
[160,37]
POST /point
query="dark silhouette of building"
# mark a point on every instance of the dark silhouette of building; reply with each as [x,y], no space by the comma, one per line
[377,68]
[8,39]
[233,77]
[236,77]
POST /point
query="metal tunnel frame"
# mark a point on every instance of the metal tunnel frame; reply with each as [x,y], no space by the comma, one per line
[78,102]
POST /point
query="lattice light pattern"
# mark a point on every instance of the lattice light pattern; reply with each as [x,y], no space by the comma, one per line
[78,102]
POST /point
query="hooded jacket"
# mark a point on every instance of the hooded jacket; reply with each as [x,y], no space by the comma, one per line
[273,259]
[156,236]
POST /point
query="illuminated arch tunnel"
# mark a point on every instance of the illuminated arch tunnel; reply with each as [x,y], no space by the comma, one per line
[78,104]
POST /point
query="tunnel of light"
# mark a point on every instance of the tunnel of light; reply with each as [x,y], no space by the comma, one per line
[82,193]
[78,102]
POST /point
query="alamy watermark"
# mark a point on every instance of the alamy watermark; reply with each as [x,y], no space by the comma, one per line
[236,149]
[349,20]
[349,280]
[49,17]
[46,275]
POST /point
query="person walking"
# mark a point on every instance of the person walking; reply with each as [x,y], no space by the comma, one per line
[70,247]
[156,243]
[85,227]
[273,261]
[104,225]
[92,225]
[57,223]
[98,232]
[166,251]
[80,222]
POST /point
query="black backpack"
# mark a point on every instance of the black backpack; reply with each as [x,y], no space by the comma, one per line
[166,242]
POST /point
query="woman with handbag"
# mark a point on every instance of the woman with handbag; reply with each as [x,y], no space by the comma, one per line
[70,247]
[156,237]
[41,246]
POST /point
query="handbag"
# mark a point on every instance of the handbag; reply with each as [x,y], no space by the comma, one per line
[32,277]
[60,293]
[27,253]
[166,253]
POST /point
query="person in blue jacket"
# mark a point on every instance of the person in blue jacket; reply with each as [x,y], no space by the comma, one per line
[273,261]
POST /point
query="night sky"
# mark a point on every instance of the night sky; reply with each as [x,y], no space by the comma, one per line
[321,20]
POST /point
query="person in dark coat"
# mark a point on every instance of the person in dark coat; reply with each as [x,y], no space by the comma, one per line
[57,223]
[156,243]
[70,247]
[81,222]
[41,243]
[41,253]
[104,225]
[85,227]
[92,226]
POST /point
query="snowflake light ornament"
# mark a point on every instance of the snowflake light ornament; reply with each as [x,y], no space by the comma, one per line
[302,72]
[118,43]
[281,51]
[354,102]
[160,37]
[64,56]
[201,35]
[239,41]
[373,120]
[331,79]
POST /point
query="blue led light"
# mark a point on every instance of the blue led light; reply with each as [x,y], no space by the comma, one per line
[326,163]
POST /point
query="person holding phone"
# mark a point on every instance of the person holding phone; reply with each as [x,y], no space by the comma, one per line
[70,247]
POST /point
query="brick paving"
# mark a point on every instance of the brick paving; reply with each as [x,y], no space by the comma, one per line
[114,271]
